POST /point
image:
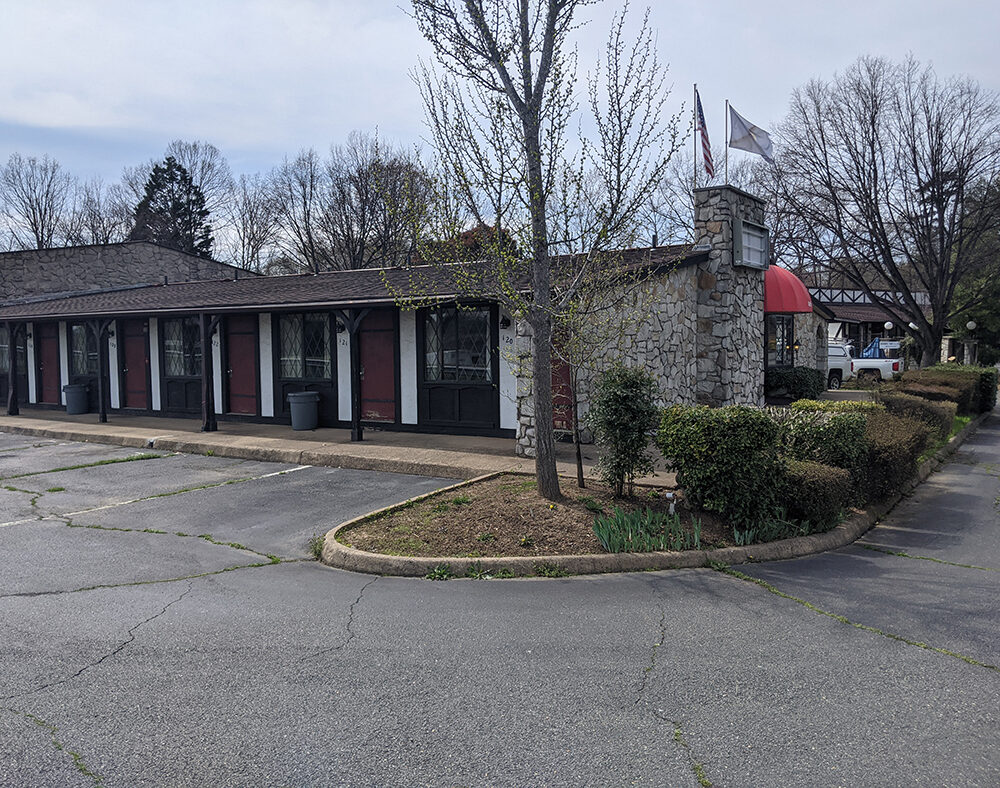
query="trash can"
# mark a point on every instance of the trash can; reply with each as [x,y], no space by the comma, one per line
[76,398]
[305,410]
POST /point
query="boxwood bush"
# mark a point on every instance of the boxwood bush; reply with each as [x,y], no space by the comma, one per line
[961,388]
[894,448]
[838,406]
[986,383]
[939,416]
[815,495]
[799,382]
[726,460]
[834,439]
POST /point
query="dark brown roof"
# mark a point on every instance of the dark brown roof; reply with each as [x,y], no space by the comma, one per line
[360,287]
[861,313]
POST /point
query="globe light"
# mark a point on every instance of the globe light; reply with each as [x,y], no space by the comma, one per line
[888,325]
[971,325]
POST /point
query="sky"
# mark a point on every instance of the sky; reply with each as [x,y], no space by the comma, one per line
[103,84]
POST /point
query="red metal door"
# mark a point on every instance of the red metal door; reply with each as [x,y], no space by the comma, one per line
[241,356]
[47,342]
[135,391]
[377,348]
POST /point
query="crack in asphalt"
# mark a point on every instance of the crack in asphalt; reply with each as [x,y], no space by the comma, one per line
[903,554]
[95,464]
[121,647]
[726,570]
[348,628]
[78,762]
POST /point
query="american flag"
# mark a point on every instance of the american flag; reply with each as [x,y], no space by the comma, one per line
[706,146]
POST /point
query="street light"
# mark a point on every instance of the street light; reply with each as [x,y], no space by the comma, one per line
[971,325]
[888,325]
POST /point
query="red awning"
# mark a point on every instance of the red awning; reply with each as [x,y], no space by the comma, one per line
[784,292]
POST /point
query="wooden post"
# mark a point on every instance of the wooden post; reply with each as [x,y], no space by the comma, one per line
[352,321]
[208,324]
[13,329]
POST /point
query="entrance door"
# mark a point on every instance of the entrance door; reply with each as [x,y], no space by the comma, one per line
[241,355]
[47,342]
[377,347]
[135,372]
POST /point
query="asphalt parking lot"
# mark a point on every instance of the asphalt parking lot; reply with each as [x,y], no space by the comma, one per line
[163,625]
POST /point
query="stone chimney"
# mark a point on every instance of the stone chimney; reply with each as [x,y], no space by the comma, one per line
[730,317]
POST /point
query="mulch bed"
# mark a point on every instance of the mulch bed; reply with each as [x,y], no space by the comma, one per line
[505,516]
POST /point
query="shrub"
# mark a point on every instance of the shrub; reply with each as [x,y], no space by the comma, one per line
[838,406]
[799,382]
[964,384]
[986,383]
[939,416]
[835,439]
[726,459]
[934,393]
[815,494]
[645,531]
[894,447]
[622,414]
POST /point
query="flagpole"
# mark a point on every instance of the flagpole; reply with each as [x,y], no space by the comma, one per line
[694,137]
[727,142]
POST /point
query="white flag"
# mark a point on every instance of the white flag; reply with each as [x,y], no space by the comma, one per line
[744,135]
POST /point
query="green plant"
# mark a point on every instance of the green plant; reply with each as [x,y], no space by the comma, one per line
[591,504]
[798,382]
[939,416]
[986,382]
[503,573]
[440,572]
[644,531]
[837,406]
[894,448]
[526,541]
[958,385]
[486,536]
[622,414]
[477,571]
[316,542]
[441,506]
[815,495]
[726,459]
[461,500]
[210,453]
[55,489]
[549,569]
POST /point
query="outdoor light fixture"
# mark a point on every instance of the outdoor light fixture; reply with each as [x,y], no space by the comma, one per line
[504,322]
[913,326]
[971,325]
[888,325]
[340,327]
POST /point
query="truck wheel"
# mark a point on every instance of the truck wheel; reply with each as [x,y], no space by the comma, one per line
[833,381]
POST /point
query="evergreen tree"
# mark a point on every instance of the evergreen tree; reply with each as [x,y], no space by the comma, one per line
[172,211]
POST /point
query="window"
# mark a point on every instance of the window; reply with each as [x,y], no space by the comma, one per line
[750,244]
[83,350]
[304,346]
[182,347]
[4,350]
[457,345]
[780,342]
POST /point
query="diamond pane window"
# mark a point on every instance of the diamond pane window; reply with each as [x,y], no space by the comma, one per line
[457,345]
[182,348]
[83,351]
[305,347]
[291,346]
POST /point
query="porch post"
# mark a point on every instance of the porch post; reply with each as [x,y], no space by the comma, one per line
[352,321]
[13,329]
[208,420]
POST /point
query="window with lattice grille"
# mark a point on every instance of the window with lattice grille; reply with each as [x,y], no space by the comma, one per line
[83,350]
[304,346]
[182,347]
[457,345]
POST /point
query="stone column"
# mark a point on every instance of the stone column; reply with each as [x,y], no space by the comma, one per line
[730,303]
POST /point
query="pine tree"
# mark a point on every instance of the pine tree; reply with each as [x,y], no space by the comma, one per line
[172,211]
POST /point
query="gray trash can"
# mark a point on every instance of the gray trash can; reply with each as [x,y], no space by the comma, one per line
[76,398]
[305,410]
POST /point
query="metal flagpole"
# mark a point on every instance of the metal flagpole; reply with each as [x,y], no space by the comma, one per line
[727,142]
[695,138]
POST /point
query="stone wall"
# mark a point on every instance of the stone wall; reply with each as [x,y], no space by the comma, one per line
[81,268]
[730,343]
[653,327]
[811,338]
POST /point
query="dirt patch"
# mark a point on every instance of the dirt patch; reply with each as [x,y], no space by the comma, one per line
[505,516]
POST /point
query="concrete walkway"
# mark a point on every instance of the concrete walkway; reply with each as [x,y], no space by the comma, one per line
[451,456]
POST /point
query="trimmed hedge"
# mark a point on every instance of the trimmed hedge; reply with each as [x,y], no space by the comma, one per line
[799,382]
[937,384]
[939,416]
[986,382]
[838,406]
[933,393]
[894,448]
[726,460]
[815,494]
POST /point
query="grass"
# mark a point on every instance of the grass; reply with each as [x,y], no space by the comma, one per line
[316,542]
[548,569]
[112,461]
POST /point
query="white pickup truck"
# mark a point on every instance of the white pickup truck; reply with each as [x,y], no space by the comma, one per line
[875,368]
[838,364]
[841,364]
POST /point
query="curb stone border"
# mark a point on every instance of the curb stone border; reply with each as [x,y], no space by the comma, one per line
[340,556]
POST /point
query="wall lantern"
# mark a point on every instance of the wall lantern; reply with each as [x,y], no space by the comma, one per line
[504,322]
[340,327]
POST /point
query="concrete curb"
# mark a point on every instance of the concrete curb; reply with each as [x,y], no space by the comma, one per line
[341,556]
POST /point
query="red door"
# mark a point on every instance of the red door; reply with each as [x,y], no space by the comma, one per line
[135,373]
[562,396]
[377,348]
[241,355]
[47,344]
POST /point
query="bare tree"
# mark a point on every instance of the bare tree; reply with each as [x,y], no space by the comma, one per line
[36,195]
[101,214]
[886,169]
[252,223]
[297,187]
[499,111]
